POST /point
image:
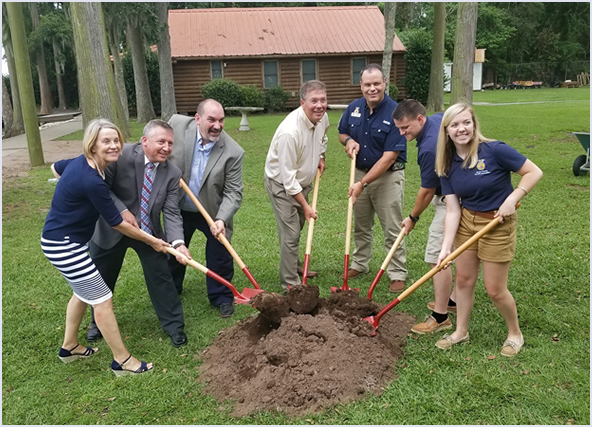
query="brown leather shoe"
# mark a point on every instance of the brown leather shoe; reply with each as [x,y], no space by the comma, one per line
[310,274]
[397,286]
[351,273]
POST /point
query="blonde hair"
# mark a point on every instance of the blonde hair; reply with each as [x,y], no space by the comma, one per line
[91,135]
[445,148]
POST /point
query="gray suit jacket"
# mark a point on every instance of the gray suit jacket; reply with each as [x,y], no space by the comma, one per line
[221,191]
[125,179]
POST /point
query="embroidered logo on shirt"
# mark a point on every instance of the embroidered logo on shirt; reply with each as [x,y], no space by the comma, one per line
[481,168]
[356,112]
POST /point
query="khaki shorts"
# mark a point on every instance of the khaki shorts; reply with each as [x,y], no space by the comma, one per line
[436,234]
[498,245]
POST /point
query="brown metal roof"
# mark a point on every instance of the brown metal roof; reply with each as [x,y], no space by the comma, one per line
[232,32]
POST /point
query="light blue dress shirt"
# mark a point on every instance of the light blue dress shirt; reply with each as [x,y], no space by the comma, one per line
[201,155]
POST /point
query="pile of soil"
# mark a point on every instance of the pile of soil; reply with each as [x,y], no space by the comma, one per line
[303,353]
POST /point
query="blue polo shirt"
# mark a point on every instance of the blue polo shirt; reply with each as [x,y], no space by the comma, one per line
[486,186]
[80,197]
[427,140]
[376,132]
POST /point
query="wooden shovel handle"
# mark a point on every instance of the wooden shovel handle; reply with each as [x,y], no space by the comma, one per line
[210,222]
[315,194]
[350,205]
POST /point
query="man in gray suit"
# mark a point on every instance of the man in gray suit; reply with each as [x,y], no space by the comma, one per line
[144,185]
[212,165]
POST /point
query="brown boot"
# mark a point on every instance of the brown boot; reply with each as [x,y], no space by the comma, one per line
[397,286]
[431,325]
[351,273]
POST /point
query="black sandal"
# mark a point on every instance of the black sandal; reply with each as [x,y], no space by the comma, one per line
[67,356]
[119,371]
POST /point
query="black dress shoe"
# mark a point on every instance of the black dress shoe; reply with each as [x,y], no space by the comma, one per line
[226,309]
[179,339]
[93,333]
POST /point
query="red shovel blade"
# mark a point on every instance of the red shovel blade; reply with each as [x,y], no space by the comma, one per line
[250,293]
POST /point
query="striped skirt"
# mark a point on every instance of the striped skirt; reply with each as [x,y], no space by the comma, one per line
[79,270]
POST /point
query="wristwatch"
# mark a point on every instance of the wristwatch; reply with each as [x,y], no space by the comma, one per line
[364,184]
[413,218]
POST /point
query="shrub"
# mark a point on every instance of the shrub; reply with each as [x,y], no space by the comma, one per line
[393,90]
[251,96]
[226,92]
[418,58]
[275,99]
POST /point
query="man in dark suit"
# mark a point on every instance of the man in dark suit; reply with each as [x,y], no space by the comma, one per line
[145,184]
[212,165]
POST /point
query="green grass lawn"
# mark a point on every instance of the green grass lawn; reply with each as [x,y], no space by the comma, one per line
[548,383]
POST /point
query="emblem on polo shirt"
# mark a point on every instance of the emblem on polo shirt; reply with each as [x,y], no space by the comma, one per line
[481,168]
[356,112]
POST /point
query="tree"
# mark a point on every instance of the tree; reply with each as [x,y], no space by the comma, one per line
[464,53]
[137,14]
[25,82]
[436,91]
[18,125]
[168,106]
[7,115]
[115,23]
[44,90]
[98,94]
[390,9]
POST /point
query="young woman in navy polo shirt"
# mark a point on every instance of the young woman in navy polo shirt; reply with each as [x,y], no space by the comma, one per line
[475,174]
[81,195]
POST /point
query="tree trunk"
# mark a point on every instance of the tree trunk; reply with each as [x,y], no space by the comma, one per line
[464,53]
[98,94]
[18,124]
[436,93]
[168,106]
[118,68]
[25,82]
[6,108]
[44,88]
[57,53]
[390,9]
[145,109]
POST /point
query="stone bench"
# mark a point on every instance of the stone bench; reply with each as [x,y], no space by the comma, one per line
[244,124]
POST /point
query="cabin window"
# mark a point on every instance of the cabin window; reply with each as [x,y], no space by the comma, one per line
[309,70]
[357,65]
[216,67]
[270,74]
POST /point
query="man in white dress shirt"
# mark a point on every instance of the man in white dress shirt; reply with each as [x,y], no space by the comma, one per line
[297,150]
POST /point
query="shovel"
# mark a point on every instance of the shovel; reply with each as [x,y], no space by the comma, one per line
[224,241]
[238,297]
[375,320]
[350,213]
[311,222]
[386,262]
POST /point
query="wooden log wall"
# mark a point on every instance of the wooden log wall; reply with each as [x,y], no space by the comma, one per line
[334,71]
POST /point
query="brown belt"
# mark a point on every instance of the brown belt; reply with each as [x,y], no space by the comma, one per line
[488,214]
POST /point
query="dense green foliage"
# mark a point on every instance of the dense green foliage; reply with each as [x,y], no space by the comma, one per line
[251,96]
[275,99]
[548,383]
[153,80]
[227,92]
[418,59]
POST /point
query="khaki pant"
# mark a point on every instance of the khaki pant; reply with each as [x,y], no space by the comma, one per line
[289,218]
[436,234]
[383,197]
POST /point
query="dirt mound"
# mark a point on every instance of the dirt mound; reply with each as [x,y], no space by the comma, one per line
[299,363]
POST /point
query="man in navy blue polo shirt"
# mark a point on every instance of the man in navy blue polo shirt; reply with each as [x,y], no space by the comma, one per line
[413,123]
[367,129]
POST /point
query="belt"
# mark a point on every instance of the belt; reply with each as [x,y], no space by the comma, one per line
[397,166]
[488,214]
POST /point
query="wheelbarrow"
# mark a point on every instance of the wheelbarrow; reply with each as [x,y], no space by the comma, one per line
[581,165]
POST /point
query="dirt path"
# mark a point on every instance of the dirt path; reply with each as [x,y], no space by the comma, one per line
[16,163]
